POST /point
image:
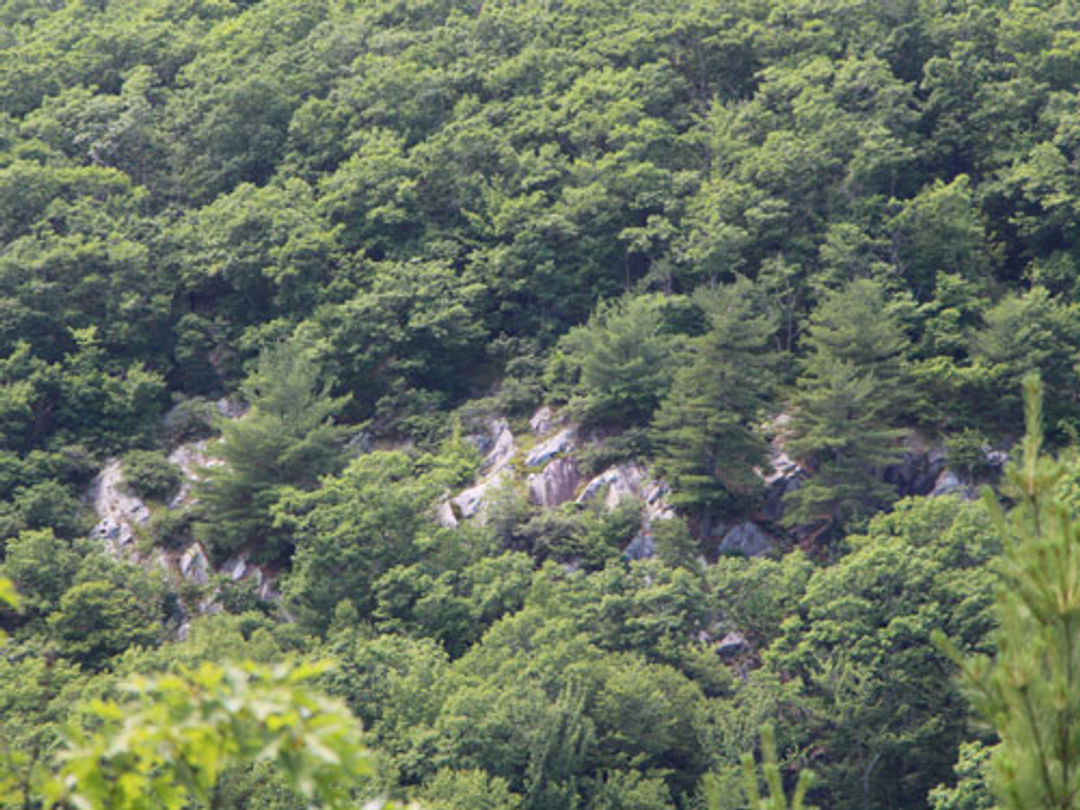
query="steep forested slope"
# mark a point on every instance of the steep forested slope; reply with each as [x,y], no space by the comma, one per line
[714,236]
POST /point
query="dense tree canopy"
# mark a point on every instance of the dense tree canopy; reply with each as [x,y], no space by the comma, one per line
[761,257]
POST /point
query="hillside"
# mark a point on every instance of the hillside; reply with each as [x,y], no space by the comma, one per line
[593,382]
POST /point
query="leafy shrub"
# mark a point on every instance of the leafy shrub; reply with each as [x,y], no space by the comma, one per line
[150,475]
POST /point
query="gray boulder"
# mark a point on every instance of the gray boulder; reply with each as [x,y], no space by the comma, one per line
[560,444]
[555,484]
[746,539]
[641,547]
[734,643]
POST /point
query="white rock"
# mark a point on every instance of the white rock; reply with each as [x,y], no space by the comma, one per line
[502,447]
[542,421]
[118,511]
[561,443]
[191,458]
[555,484]
[471,502]
[194,565]
[444,515]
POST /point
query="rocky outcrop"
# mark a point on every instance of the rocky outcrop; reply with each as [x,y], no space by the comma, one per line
[470,503]
[190,458]
[642,547]
[500,447]
[655,494]
[240,568]
[560,444]
[614,484]
[623,481]
[747,540]
[732,644]
[785,475]
[555,484]
[543,421]
[918,470]
[194,565]
[949,483]
[120,513]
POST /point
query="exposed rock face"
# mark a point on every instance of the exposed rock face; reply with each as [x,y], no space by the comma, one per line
[542,421]
[241,568]
[194,565]
[561,443]
[641,547]
[119,512]
[746,539]
[470,503]
[444,515]
[190,458]
[734,643]
[918,470]
[615,483]
[493,469]
[501,447]
[655,493]
[949,483]
[555,484]
[785,476]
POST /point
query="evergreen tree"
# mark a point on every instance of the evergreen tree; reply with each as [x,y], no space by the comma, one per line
[705,429]
[287,439]
[1028,690]
[848,396]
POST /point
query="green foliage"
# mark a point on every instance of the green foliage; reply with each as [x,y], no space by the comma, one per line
[706,429]
[971,791]
[616,368]
[43,567]
[378,513]
[860,642]
[844,410]
[681,219]
[150,474]
[96,620]
[1027,689]
[170,738]
[468,790]
[287,439]
[776,799]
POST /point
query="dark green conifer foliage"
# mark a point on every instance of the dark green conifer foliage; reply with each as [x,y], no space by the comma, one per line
[1028,690]
[706,428]
[850,389]
[288,438]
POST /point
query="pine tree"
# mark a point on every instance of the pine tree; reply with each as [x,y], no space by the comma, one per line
[848,395]
[1030,690]
[288,438]
[706,428]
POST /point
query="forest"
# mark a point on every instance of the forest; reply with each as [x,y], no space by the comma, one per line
[539,404]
